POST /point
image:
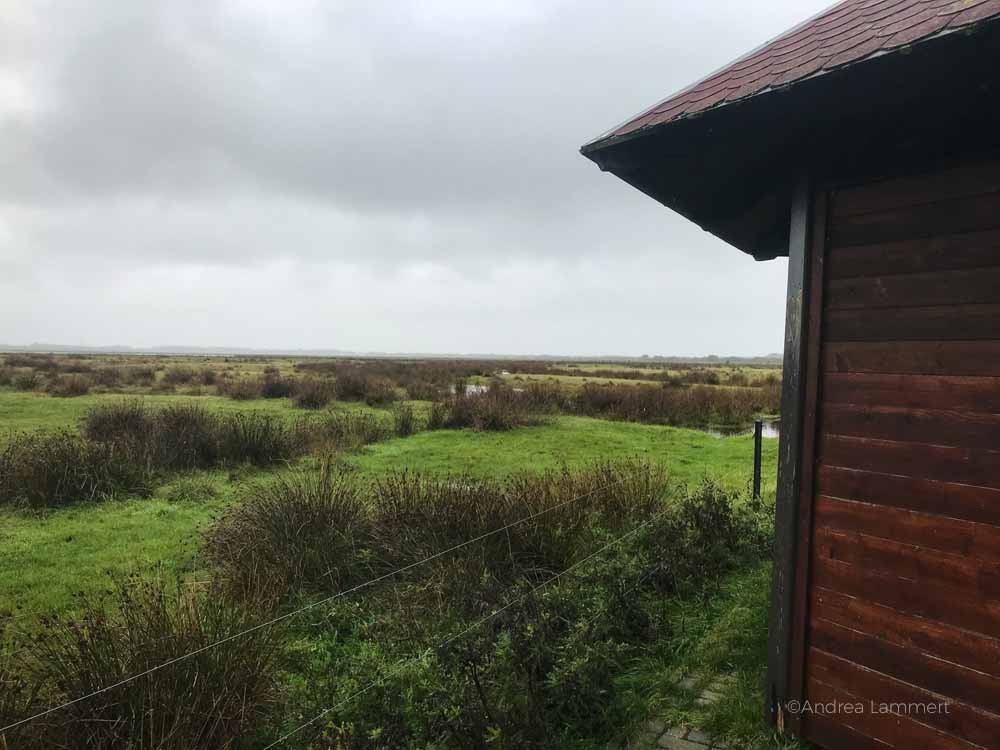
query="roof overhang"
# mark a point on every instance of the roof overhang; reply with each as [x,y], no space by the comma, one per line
[730,169]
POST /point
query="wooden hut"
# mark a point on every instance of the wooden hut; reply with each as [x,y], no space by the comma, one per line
[864,144]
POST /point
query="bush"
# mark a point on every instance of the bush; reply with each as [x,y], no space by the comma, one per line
[437,416]
[303,530]
[26,381]
[690,406]
[497,660]
[323,529]
[403,420]
[179,375]
[315,394]
[497,409]
[187,436]
[107,377]
[68,386]
[207,376]
[6,376]
[44,469]
[350,430]
[140,375]
[258,439]
[212,699]
[111,420]
[423,391]
[274,386]
[352,384]
[380,391]
[244,389]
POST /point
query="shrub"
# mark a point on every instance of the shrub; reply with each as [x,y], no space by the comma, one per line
[421,390]
[403,420]
[350,430]
[519,667]
[497,409]
[323,529]
[274,386]
[26,380]
[41,362]
[380,391]
[188,436]
[6,376]
[303,529]
[45,469]
[112,420]
[315,394]
[244,389]
[352,384]
[140,375]
[207,376]
[108,377]
[437,416]
[179,375]
[258,439]
[68,386]
[182,436]
[211,699]
[76,366]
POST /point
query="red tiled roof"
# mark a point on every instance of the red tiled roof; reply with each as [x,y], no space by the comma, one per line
[850,32]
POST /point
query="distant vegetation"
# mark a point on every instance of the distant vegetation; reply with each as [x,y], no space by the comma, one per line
[520,390]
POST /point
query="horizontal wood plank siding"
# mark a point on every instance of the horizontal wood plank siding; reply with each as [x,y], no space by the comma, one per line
[980,358]
[904,588]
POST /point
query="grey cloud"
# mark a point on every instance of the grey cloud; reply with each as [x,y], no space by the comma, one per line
[382,136]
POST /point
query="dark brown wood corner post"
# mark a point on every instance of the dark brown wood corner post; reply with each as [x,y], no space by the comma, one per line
[786,522]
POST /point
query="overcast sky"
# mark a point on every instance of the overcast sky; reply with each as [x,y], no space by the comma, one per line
[377,176]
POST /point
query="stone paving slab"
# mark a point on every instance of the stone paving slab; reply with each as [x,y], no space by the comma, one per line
[657,735]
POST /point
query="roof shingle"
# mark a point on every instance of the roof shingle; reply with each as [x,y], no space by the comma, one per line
[852,31]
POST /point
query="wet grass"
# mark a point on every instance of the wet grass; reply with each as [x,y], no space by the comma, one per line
[690,455]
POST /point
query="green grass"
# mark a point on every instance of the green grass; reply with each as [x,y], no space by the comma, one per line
[45,559]
[39,411]
[690,455]
[724,637]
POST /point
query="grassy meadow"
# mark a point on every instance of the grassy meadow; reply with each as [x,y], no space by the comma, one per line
[287,481]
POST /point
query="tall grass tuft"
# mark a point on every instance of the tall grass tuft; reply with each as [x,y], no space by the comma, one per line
[46,469]
[497,409]
[302,530]
[349,430]
[69,386]
[320,530]
[315,393]
[215,698]
[404,420]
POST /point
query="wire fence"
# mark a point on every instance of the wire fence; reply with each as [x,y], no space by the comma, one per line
[327,600]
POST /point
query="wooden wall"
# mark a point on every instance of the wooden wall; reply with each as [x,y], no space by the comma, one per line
[902,545]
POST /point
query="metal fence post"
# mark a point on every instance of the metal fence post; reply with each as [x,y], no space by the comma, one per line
[758,433]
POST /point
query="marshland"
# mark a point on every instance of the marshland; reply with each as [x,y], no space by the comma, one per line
[368,553]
